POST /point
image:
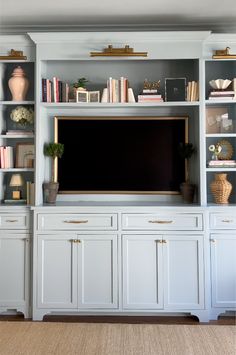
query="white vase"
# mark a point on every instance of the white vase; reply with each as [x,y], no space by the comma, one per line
[18,84]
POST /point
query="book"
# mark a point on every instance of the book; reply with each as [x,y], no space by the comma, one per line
[17,202]
[222,163]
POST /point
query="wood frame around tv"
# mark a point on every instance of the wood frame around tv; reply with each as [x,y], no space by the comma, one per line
[108,118]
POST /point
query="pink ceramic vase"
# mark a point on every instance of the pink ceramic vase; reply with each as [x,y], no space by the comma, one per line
[18,84]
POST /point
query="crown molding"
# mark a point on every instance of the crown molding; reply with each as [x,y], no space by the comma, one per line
[223,27]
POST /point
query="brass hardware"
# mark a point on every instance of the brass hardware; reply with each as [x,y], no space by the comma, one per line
[14,55]
[223,54]
[158,241]
[12,220]
[76,222]
[227,221]
[213,240]
[164,241]
[118,52]
[161,222]
[76,240]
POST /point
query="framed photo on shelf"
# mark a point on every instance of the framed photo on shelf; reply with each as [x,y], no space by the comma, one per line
[94,96]
[175,89]
[214,119]
[82,96]
[24,155]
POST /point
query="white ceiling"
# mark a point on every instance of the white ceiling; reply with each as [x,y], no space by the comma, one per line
[206,14]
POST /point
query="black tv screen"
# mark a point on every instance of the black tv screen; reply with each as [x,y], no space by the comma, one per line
[120,154]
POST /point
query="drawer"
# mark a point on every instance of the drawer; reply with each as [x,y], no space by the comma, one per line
[184,221]
[14,221]
[77,221]
[223,220]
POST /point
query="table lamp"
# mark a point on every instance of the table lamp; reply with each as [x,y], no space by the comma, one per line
[16,181]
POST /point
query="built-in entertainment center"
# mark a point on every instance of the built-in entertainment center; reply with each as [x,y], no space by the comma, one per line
[119,239]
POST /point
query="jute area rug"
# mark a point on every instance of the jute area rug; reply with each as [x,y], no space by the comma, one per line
[31,338]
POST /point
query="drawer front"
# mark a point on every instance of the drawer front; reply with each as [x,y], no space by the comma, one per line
[14,221]
[162,222]
[77,221]
[223,221]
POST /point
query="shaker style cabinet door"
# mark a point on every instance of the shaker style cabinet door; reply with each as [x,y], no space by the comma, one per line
[14,270]
[57,271]
[142,272]
[97,271]
[223,270]
[183,271]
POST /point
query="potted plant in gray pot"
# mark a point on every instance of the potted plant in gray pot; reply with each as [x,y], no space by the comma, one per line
[52,150]
[186,151]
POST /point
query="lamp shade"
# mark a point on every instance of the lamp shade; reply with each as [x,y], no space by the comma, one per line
[16,180]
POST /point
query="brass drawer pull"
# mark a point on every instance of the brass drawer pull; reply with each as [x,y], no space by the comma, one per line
[161,222]
[76,222]
[11,220]
[76,240]
[227,221]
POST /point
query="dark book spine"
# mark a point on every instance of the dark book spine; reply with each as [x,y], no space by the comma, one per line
[44,90]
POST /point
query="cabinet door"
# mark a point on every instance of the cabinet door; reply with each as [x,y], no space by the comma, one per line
[183,272]
[14,270]
[57,271]
[142,272]
[97,267]
[223,270]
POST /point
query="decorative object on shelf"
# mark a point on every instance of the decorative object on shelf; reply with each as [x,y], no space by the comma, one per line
[94,96]
[22,116]
[150,92]
[221,188]
[54,151]
[16,182]
[14,55]
[104,98]
[220,84]
[131,97]
[82,96]
[118,52]
[223,54]
[18,84]
[25,155]
[175,89]
[226,150]
[186,151]
[217,120]
[215,149]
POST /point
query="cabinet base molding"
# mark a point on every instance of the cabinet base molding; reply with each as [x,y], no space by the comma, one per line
[15,311]
[215,313]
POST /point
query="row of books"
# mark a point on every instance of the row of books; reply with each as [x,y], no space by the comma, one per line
[222,163]
[192,91]
[30,193]
[117,90]
[6,157]
[21,132]
[222,95]
[55,90]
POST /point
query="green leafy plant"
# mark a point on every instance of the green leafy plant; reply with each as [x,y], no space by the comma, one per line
[54,150]
[81,82]
[186,151]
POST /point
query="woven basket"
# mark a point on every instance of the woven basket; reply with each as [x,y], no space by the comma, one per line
[221,188]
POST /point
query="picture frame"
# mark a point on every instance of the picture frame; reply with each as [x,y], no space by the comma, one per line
[214,119]
[82,96]
[94,96]
[24,155]
[175,89]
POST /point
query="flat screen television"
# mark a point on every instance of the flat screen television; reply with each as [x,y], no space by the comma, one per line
[120,154]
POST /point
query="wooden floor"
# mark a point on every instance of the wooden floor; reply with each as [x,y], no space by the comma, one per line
[222,320]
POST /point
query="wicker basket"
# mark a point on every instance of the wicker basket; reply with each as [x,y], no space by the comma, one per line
[221,188]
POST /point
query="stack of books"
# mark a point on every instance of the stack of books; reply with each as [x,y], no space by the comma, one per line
[6,157]
[55,90]
[192,91]
[150,95]
[117,90]
[222,95]
[222,163]
[30,193]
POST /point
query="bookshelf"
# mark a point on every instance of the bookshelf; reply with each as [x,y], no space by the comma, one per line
[6,107]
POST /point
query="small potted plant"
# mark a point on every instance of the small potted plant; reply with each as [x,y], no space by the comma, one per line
[80,84]
[186,151]
[52,150]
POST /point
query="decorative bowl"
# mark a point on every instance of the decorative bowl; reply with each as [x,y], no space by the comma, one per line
[220,84]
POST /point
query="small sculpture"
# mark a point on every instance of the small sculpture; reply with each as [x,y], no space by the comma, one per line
[151,86]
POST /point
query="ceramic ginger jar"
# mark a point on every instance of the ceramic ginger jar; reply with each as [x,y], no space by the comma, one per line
[18,84]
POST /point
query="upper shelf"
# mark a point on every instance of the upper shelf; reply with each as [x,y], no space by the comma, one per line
[17,102]
[117,105]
